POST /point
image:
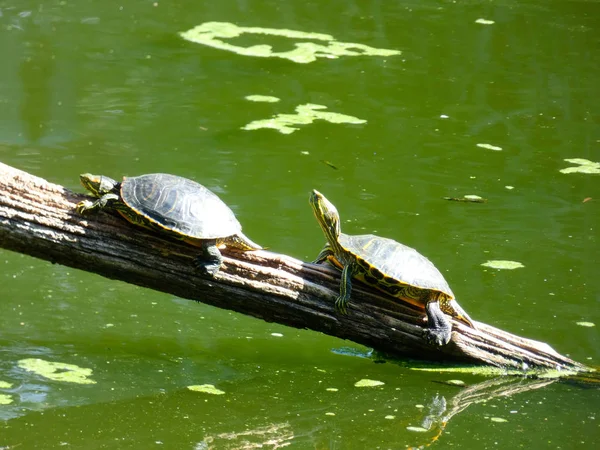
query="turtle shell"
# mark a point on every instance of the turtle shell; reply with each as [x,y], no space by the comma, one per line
[179,205]
[389,263]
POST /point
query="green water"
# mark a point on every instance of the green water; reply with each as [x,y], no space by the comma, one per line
[110,87]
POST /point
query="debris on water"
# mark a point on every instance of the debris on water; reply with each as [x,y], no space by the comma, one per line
[57,371]
[444,116]
[389,417]
[417,429]
[262,98]
[330,414]
[503,264]
[510,188]
[490,147]
[586,324]
[467,198]
[206,388]
[584,166]
[587,199]
[324,161]
[368,383]
[276,334]
[485,22]
[332,389]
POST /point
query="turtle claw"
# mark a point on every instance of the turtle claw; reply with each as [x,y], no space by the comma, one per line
[84,206]
[340,305]
[206,268]
[437,337]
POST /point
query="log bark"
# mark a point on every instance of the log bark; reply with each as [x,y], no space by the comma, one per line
[38,218]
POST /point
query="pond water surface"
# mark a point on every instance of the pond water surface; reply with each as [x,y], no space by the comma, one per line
[113,88]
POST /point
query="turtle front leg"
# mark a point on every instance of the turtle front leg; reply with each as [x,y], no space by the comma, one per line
[324,254]
[86,206]
[210,260]
[439,328]
[345,288]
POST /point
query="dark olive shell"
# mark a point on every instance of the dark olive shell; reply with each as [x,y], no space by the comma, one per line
[390,263]
[179,205]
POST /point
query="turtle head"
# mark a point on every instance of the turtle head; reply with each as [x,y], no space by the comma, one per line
[327,215]
[98,185]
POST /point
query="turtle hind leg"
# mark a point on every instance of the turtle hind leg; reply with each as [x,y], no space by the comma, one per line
[210,259]
[456,311]
[439,328]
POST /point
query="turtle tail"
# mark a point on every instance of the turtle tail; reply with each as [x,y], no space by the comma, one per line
[460,314]
[242,242]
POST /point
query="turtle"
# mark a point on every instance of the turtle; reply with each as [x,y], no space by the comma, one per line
[389,266]
[172,205]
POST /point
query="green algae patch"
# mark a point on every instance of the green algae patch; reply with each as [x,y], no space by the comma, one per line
[5,399]
[368,383]
[5,385]
[490,371]
[262,98]
[553,374]
[206,388]
[57,371]
[473,370]
[215,34]
[581,324]
[305,114]
[503,264]
[583,166]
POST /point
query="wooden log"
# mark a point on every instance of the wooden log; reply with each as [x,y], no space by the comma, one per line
[38,218]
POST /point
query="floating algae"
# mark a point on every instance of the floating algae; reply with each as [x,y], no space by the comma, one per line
[206,388]
[503,264]
[305,114]
[262,98]
[490,147]
[584,166]
[368,383]
[213,34]
[57,371]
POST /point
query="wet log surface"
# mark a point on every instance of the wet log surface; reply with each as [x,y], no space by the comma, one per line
[38,218]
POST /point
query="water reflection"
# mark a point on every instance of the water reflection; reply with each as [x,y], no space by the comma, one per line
[440,411]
